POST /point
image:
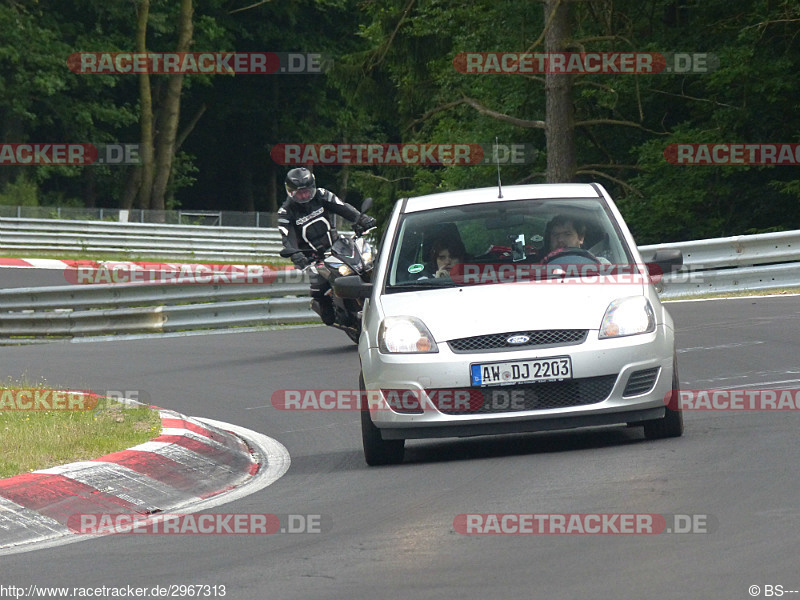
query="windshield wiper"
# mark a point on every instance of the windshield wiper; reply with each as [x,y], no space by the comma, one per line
[422,284]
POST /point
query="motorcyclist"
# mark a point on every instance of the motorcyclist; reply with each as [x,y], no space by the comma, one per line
[307,230]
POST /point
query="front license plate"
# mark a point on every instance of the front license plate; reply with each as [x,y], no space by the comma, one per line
[522,371]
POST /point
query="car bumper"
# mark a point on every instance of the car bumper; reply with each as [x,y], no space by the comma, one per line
[599,393]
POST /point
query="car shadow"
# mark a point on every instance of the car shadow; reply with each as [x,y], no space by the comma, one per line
[419,452]
[496,446]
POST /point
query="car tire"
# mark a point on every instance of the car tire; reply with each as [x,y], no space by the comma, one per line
[671,424]
[377,451]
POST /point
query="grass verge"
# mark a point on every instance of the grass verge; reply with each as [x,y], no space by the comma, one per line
[38,439]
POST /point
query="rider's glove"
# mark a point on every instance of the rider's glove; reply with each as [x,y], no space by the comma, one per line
[364,223]
[300,260]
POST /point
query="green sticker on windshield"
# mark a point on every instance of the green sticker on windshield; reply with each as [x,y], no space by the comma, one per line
[416,268]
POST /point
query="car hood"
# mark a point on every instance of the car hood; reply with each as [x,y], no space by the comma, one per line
[459,312]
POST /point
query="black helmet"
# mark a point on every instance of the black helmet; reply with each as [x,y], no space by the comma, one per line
[301,185]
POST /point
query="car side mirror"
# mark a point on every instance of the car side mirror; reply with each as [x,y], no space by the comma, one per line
[352,286]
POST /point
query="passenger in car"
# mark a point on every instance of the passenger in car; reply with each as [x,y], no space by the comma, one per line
[445,253]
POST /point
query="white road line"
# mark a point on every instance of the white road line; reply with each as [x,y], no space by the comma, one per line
[720,347]
[763,384]
[766,294]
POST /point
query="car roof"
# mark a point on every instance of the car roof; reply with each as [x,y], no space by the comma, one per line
[537,191]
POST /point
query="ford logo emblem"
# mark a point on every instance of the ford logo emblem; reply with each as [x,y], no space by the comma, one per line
[518,339]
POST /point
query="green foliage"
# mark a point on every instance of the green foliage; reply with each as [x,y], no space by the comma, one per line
[393,80]
[20,193]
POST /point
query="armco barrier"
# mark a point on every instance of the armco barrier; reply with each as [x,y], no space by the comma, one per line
[227,218]
[736,251]
[172,242]
[110,309]
[760,262]
[741,263]
[687,284]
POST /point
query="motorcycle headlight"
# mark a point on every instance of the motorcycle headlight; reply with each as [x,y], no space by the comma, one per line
[365,250]
[628,316]
[345,270]
[405,335]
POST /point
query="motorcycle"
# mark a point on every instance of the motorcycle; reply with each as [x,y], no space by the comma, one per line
[347,256]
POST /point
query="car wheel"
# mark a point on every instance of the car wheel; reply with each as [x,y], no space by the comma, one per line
[671,424]
[377,451]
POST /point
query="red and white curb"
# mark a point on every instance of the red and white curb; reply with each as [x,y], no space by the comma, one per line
[40,263]
[60,265]
[194,464]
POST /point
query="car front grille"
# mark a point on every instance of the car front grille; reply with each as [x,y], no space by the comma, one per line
[499,341]
[530,396]
[641,382]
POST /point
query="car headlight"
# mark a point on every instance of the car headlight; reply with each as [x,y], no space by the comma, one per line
[405,335]
[628,316]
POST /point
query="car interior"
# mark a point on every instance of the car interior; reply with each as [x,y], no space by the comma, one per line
[513,233]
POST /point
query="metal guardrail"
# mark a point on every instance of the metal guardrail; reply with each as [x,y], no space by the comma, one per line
[228,218]
[697,283]
[723,265]
[109,309]
[172,242]
[760,262]
[736,251]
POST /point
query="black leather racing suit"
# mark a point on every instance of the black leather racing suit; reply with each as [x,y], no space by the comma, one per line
[310,227]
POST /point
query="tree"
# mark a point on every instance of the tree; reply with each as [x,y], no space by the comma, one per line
[159,131]
[142,178]
[559,117]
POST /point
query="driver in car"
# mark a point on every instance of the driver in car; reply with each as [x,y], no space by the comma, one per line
[563,232]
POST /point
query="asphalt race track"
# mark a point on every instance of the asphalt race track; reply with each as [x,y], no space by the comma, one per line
[21,278]
[389,531]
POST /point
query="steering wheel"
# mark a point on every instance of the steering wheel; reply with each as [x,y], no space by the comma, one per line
[566,252]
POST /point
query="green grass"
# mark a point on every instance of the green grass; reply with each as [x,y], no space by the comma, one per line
[38,439]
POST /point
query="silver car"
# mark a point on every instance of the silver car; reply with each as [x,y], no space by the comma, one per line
[526,308]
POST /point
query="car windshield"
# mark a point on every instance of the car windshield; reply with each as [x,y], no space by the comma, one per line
[536,238]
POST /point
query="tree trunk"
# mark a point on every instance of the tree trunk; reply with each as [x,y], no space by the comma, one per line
[132,187]
[90,188]
[146,118]
[165,152]
[559,117]
[178,143]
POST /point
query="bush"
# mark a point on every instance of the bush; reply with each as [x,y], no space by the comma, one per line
[20,193]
